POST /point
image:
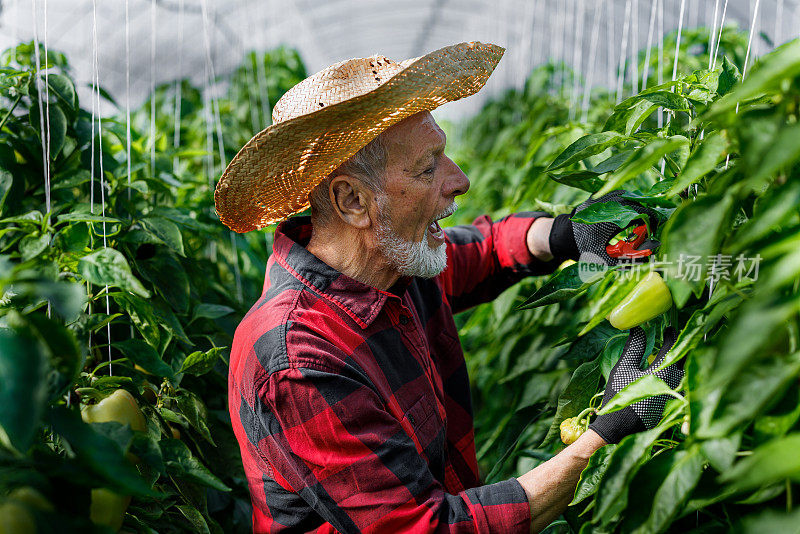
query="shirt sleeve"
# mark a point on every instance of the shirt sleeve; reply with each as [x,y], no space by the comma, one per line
[330,439]
[486,257]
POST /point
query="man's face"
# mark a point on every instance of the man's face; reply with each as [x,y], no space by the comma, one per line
[420,186]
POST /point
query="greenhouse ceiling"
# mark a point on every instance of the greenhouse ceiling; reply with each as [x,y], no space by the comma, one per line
[141,43]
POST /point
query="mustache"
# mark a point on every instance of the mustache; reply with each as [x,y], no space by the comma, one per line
[448,211]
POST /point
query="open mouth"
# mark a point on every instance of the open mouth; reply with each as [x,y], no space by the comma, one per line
[434,229]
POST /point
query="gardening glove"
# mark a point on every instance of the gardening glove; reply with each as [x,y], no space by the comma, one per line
[646,413]
[587,242]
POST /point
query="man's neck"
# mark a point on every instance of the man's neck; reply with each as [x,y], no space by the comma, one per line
[352,253]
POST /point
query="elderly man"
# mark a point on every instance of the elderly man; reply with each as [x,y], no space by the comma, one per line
[349,394]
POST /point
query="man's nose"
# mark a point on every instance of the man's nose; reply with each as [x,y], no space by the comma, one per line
[456,182]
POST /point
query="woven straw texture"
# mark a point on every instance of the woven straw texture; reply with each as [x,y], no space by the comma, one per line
[329,116]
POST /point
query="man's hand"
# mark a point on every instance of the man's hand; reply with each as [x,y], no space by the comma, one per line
[571,240]
[646,413]
[550,486]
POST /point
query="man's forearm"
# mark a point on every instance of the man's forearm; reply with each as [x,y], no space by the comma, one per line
[538,238]
[551,485]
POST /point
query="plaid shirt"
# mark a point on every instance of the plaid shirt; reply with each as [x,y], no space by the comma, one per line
[351,404]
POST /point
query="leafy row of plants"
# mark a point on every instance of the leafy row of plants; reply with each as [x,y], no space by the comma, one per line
[723,173]
[114,282]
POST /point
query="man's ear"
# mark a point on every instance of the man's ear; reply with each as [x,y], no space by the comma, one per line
[350,199]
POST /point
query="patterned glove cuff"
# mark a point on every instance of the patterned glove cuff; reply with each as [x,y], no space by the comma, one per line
[562,239]
[614,426]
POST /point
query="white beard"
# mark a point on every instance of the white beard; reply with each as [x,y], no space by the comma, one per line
[408,257]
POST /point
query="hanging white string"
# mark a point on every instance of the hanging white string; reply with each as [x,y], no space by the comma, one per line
[678,42]
[719,35]
[577,57]
[650,29]
[611,60]
[263,91]
[634,64]
[587,88]
[660,70]
[96,105]
[216,119]
[526,40]
[746,60]
[249,71]
[712,37]
[624,50]
[176,136]
[44,136]
[128,93]
[152,88]
[744,74]
[47,120]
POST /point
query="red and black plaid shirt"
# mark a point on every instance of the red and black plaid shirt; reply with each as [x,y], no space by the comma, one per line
[351,405]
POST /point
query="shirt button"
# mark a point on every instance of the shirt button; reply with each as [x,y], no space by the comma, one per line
[404,319]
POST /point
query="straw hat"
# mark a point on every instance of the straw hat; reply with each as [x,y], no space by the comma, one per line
[331,115]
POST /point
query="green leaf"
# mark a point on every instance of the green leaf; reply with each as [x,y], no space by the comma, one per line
[783,152]
[772,462]
[623,463]
[674,491]
[211,311]
[770,520]
[199,363]
[641,388]
[168,277]
[65,356]
[193,409]
[773,209]
[180,462]
[781,63]
[109,267]
[85,217]
[642,160]
[23,387]
[57,126]
[31,246]
[575,397]
[706,155]
[195,517]
[592,473]
[145,356]
[721,452]
[627,117]
[750,393]
[98,454]
[565,284]
[167,231]
[586,180]
[693,235]
[728,78]
[586,146]
[6,181]
[63,89]
[613,212]
[142,316]
[72,238]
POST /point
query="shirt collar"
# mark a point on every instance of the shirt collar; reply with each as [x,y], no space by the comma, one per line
[360,301]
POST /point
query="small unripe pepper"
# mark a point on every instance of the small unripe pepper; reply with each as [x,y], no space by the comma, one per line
[648,299]
[571,430]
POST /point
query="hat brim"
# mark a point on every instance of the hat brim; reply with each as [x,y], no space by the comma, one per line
[272,175]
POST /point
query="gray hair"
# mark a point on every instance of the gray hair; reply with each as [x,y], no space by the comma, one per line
[366,165]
